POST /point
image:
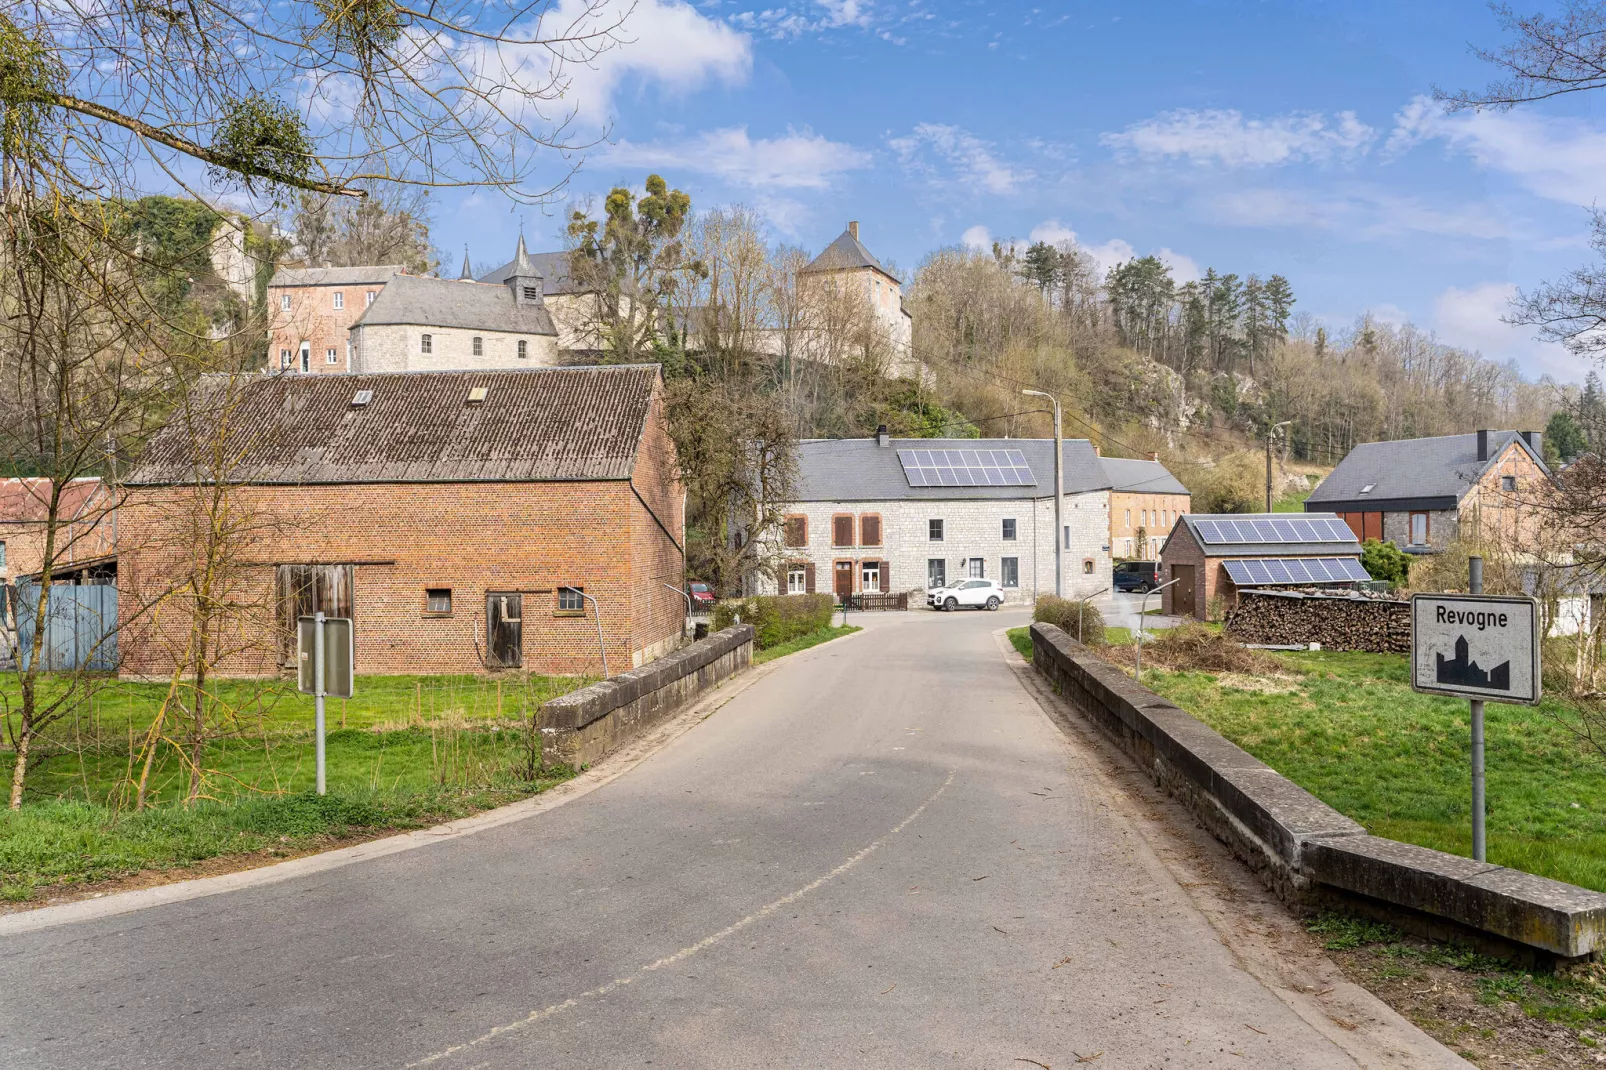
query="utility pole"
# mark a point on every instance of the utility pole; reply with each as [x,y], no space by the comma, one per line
[1270,434]
[1059,494]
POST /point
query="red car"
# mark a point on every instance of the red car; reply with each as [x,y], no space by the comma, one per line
[701,596]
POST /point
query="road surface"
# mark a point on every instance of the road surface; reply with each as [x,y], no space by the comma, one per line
[881,853]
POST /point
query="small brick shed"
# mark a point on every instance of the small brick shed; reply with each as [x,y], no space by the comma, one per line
[442,511]
[1214,555]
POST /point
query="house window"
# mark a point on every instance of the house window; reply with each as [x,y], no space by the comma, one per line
[1009,530]
[524,350]
[841,531]
[1419,529]
[797,579]
[2,557]
[1508,483]
[369,298]
[934,528]
[284,358]
[1128,520]
[870,577]
[1087,566]
[870,529]
[570,600]
[426,343]
[1009,572]
[331,356]
[284,302]
[976,568]
[795,531]
[438,601]
[936,572]
[340,299]
[479,346]
[1067,536]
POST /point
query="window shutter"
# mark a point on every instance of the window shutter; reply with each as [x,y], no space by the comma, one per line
[842,530]
[808,577]
[869,530]
[886,576]
[797,531]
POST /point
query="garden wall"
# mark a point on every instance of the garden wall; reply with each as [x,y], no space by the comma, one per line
[1337,622]
[1303,849]
[581,727]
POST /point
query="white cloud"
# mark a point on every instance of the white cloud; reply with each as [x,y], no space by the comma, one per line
[816,17]
[1227,138]
[976,237]
[1470,318]
[1114,252]
[1183,268]
[970,158]
[1556,158]
[798,160]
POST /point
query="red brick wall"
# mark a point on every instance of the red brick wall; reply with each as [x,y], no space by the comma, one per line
[312,318]
[658,502]
[1181,549]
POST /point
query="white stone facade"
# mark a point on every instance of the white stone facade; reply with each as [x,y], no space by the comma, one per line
[973,530]
[398,347]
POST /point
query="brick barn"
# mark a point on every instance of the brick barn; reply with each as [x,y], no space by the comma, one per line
[445,512]
[1214,555]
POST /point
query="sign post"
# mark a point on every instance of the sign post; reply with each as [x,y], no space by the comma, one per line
[325,663]
[1478,647]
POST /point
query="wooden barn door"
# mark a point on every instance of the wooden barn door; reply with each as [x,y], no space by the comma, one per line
[1183,601]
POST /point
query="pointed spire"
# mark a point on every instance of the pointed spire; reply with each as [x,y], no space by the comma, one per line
[521,259]
[468,273]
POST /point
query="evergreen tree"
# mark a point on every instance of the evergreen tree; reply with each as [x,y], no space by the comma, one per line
[1591,414]
[1563,435]
[1279,306]
[1042,266]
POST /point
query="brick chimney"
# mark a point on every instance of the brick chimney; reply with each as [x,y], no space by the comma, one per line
[1483,445]
[1154,455]
[853,229]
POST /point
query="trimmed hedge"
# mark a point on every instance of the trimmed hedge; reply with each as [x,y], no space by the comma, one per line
[1063,614]
[777,619]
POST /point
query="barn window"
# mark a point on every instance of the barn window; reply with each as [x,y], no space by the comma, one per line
[438,600]
[1508,483]
[571,600]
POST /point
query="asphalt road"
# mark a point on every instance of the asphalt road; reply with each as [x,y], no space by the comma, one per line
[879,854]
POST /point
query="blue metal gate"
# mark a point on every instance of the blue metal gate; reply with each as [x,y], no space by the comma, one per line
[80,626]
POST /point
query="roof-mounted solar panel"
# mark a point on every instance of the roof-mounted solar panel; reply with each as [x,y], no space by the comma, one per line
[1294,571]
[966,468]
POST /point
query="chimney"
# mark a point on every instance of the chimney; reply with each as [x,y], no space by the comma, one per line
[853,229]
[1483,445]
[1154,455]
[882,436]
[1536,442]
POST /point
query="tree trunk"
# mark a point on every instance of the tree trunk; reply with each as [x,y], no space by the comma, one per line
[19,772]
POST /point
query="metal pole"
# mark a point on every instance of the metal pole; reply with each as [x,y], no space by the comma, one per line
[1143,609]
[1269,435]
[1059,494]
[687,596]
[318,691]
[602,647]
[1479,832]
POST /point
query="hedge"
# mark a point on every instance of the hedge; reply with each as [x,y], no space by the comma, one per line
[777,619]
[1063,614]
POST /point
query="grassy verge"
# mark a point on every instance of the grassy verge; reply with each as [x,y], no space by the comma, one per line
[1021,640]
[803,642]
[1348,728]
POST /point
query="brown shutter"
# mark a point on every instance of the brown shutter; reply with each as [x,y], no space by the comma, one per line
[842,531]
[869,530]
[886,576]
[808,577]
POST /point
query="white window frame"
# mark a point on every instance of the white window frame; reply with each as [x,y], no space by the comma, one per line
[284,302]
[370,297]
[284,358]
[426,344]
[331,355]
[340,299]
[797,579]
[870,577]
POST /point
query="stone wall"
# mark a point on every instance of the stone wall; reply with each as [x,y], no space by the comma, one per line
[583,726]
[396,347]
[1303,849]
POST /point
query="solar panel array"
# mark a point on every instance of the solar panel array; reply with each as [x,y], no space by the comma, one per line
[1292,529]
[1257,572]
[966,468]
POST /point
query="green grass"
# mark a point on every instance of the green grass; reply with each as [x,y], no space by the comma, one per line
[1291,503]
[803,642]
[1021,640]
[1117,636]
[1351,731]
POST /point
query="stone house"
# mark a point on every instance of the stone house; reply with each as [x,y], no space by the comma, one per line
[848,265]
[885,515]
[312,311]
[1214,555]
[465,520]
[1420,493]
[1145,501]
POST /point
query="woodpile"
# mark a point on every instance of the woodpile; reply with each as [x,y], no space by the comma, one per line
[1336,621]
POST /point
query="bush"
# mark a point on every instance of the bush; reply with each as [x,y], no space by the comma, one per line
[1067,614]
[777,619]
[1235,484]
[1385,561]
[1196,648]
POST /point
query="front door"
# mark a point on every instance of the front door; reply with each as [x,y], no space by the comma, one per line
[504,623]
[843,581]
[306,356]
[1182,597]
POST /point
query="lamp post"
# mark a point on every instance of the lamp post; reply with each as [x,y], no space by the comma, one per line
[1059,494]
[1143,611]
[1270,434]
[596,610]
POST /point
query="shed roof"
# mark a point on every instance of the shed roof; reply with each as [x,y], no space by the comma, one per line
[425,302]
[535,425]
[1225,535]
[336,276]
[859,469]
[1141,476]
[1413,470]
[26,500]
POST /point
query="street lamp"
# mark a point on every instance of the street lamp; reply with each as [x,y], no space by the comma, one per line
[1143,611]
[1270,434]
[1059,494]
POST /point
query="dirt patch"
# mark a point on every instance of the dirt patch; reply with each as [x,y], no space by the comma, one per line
[1271,684]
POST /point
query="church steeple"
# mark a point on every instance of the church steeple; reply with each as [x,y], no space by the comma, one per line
[525,280]
[467,274]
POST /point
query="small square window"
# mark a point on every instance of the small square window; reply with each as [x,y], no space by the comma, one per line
[524,349]
[426,343]
[935,527]
[340,299]
[1508,483]
[438,600]
[331,355]
[1009,531]
[284,302]
[1087,566]
[570,600]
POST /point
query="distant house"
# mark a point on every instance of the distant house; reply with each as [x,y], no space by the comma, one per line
[1420,493]
[311,312]
[846,262]
[1215,555]
[465,520]
[884,515]
[1145,501]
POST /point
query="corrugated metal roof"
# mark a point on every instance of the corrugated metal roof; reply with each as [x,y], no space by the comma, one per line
[858,469]
[535,425]
[1141,477]
[1445,466]
[469,306]
[335,276]
[27,500]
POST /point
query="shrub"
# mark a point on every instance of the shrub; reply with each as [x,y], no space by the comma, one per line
[1385,561]
[1067,614]
[1194,647]
[777,619]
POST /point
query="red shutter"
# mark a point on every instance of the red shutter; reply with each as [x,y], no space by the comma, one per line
[808,577]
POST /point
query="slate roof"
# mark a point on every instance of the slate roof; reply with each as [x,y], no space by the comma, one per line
[859,469]
[1268,548]
[1141,477]
[1430,473]
[535,425]
[552,267]
[453,303]
[336,276]
[846,253]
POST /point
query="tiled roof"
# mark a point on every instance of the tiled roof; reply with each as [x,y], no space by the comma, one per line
[859,469]
[335,276]
[846,253]
[1444,467]
[1141,477]
[452,303]
[537,424]
[27,500]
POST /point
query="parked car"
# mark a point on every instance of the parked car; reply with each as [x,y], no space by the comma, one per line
[702,596]
[1137,576]
[975,594]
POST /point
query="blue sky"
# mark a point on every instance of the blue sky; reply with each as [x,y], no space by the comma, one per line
[1292,138]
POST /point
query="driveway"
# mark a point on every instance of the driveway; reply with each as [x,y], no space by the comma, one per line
[881,853]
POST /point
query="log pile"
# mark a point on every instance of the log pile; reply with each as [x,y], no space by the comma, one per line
[1336,621]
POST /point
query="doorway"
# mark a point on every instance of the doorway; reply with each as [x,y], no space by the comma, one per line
[504,629]
[842,581]
[306,356]
[1182,595]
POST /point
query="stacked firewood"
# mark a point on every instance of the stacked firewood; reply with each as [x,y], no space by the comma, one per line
[1337,622]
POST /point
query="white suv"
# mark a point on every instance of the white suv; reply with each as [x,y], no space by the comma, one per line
[977,594]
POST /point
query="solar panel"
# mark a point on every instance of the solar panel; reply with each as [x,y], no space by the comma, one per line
[966,468]
[1265,531]
[1269,571]
[1239,571]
